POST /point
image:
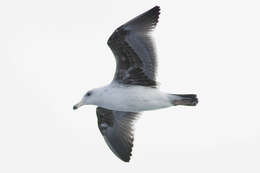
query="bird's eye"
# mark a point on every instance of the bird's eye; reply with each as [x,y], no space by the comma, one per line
[88,94]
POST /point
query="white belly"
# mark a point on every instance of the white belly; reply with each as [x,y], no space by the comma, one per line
[133,98]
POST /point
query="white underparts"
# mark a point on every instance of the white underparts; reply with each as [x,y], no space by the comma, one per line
[131,98]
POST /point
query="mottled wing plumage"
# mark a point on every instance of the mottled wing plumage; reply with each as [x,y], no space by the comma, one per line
[135,65]
[117,130]
[134,50]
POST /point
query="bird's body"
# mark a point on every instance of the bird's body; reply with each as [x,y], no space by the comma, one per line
[133,88]
[132,98]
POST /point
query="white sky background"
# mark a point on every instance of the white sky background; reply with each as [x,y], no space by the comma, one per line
[52,52]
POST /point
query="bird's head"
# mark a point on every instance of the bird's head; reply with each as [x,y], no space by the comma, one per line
[88,99]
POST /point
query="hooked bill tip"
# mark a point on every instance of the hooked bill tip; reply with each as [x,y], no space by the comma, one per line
[75,107]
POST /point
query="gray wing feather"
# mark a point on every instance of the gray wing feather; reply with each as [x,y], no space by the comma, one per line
[117,130]
[140,40]
[133,49]
[144,48]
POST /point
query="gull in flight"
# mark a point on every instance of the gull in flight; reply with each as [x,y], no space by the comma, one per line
[133,88]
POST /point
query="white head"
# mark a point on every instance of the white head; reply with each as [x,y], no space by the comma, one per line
[90,98]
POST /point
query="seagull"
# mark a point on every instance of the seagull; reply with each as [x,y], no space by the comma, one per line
[134,87]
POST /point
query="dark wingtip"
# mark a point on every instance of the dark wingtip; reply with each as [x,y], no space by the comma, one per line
[126,159]
[155,11]
[156,8]
[147,20]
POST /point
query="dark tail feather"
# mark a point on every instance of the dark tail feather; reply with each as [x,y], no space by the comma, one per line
[185,99]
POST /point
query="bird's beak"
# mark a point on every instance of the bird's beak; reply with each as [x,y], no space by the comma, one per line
[76,106]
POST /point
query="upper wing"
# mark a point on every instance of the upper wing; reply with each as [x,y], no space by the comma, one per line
[134,50]
[116,128]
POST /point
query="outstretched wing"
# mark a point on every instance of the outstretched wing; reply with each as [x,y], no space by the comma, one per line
[134,51]
[117,130]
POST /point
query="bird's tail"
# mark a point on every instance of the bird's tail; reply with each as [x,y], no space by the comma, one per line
[184,99]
